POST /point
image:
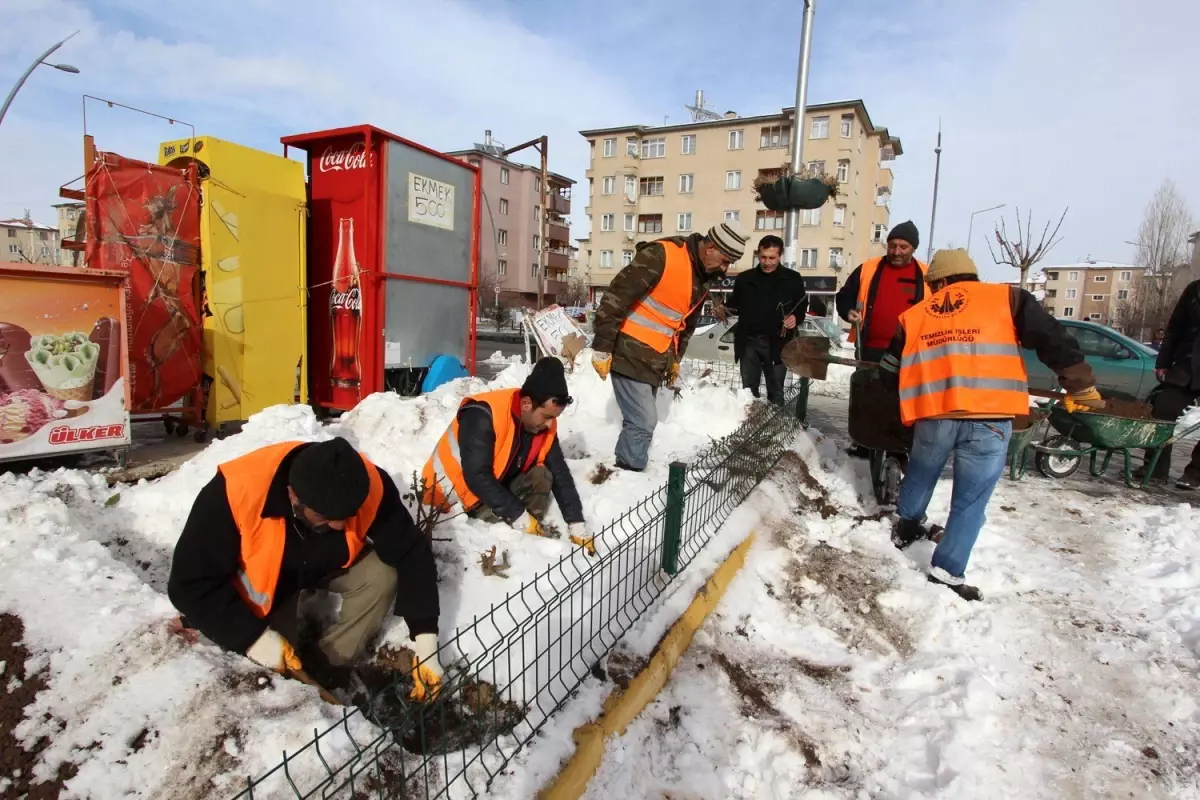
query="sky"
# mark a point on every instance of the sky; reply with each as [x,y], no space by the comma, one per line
[1044,105]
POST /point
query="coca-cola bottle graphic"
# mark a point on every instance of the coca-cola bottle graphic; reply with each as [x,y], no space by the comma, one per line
[345,311]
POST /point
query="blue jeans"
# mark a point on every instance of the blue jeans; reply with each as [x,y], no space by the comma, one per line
[639,417]
[980,449]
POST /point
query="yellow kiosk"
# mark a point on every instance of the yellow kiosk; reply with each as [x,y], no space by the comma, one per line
[252,242]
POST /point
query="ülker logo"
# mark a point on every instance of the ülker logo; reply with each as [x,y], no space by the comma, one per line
[62,434]
[343,158]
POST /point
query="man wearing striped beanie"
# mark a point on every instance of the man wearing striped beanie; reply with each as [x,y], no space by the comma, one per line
[645,319]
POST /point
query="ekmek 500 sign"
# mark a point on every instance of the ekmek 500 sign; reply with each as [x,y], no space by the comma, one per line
[430,202]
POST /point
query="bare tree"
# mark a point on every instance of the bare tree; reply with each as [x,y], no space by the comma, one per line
[1021,252]
[1162,253]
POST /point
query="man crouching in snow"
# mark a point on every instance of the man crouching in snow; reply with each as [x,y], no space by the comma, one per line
[296,516]
[957,358]
[501,459]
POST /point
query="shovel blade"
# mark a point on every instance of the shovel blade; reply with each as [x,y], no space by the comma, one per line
[806,356]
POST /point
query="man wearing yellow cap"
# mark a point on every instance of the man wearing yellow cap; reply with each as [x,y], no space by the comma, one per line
[957,359]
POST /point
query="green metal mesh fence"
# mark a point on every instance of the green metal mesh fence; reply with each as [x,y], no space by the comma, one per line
[513,667]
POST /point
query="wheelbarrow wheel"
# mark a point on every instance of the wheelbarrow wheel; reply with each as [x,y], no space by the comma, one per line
[1052,465]
[887,486]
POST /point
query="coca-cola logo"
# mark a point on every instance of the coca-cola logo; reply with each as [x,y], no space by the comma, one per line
[350,299]
[343,158]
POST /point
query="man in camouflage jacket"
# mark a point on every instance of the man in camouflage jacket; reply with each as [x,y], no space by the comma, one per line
[638,369]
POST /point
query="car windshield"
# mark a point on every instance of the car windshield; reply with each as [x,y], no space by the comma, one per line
[827,326]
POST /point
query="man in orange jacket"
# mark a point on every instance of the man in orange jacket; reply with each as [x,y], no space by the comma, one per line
[299,516]
[880,290]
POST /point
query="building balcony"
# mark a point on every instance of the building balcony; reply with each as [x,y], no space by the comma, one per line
[560,203]
[557,261]
[555,288]
[558,232]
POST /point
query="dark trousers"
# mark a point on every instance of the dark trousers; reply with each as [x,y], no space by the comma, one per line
[1169,403]
[757,361]
[532,488]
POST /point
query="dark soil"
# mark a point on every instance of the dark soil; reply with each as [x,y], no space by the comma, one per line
[810,495]
[624,667]
[756,704]
[874,419]
[602,473]
[1130,409]
[17,762]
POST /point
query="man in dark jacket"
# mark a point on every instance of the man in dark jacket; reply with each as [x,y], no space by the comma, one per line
[768,302]
[645,320]
[1178,368]
[879,290]
[300,516]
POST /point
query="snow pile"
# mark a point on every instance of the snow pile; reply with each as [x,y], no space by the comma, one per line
[88,574]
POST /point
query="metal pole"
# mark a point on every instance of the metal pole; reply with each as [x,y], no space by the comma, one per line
[21,81]
[791,238]
[971,226]
[937,174]
[543,256]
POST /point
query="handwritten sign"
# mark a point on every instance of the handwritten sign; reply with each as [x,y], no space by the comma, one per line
[430,202]
[556,333]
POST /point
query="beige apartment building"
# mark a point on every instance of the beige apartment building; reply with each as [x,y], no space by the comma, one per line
[510,228]
[26,242]
[1091,290]
[70,222]
[647,182]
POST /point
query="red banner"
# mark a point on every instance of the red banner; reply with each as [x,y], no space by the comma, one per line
[144,220]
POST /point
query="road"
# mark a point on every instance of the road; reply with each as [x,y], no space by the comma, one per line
[484,350]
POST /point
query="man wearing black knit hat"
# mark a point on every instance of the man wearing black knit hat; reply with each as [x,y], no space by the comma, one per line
[500,458]
[880,290]
[299,516]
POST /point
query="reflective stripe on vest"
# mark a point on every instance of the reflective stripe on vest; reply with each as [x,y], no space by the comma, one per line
[961,355]
[658,318]
[866,274]
[263,539]
[442,476]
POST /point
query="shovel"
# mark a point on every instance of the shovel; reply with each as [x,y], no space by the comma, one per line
[808,357]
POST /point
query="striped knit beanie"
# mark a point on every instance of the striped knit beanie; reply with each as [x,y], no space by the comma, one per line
[729,238]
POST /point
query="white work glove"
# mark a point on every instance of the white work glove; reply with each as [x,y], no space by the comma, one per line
[427,670]
[577,532]
[527,524]
[274,652]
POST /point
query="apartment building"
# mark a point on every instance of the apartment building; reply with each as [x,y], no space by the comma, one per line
[26,242]
[511,227]
[70,222]
[647,182]
[1091,290]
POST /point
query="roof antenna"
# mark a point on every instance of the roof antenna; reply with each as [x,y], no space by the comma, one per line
[699,112]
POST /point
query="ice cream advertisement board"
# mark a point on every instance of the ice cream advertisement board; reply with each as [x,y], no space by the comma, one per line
[63,361]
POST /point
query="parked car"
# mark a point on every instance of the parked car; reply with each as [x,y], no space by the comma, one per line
[715,342]
[1124,368]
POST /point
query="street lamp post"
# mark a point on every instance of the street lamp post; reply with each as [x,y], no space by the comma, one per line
[791,224]
[971,226]
[39,60]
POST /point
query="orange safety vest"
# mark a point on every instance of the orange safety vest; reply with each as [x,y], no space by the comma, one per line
[247,481]
[442,476]
[866,274]
[658,318]
[962,355]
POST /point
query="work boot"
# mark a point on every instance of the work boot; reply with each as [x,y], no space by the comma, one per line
[907,531]
[1188,481]
[622,465]
[963,590]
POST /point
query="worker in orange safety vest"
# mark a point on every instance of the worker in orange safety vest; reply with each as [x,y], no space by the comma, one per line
[880,289]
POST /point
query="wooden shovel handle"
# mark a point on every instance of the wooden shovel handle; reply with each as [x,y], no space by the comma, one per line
[304,677]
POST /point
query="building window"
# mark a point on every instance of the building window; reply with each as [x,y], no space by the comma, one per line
[502,237]
[847,125]
[503,206]
[1098,298]
[537,243]
[1122,294]
[14,248]
[610,147]
[12,233]
[631,185]
[1126,276]
[537,184]
[606,259]
[1051,276]
[1100,278]
[608,185]
[650,187]
[687,183]
[774,136]
[502,267]
[607,222]
[650,223]
[839,216]
[654,148]
[626,258]
[733,216]
[883,196]
[687,144]
[737,140]
[1072,294]
[630,222]
[537,214]
[808,255]
[835,257]
[1072,276]
[631,146]
[504,175]
[1094,317]
[733,180]
[1051,294]
[684,221]
[810,216]
[768,221]
[843,170]
[820,128]
[534,271]
[877,233]
[816,167]
[1069,311]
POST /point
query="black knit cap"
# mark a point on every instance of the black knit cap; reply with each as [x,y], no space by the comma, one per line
[547,380]
[330,478]
[906,232]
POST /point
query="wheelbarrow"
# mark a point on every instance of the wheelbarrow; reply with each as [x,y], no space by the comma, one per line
[1099,436]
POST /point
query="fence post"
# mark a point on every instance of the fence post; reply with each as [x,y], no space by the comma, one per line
[802,402]
[673,519]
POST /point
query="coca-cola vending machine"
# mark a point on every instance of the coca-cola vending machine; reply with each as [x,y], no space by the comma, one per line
[393,261]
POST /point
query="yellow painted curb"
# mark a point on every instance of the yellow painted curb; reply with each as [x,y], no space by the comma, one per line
[622,707]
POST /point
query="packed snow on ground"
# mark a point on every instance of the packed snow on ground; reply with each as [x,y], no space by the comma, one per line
[833,669]
[145,715]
